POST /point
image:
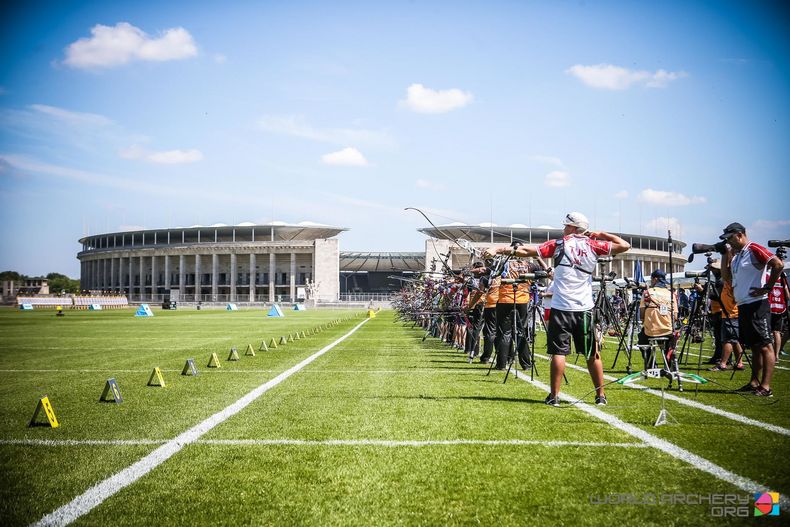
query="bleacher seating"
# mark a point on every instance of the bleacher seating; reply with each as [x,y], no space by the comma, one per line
[107,302]
[39,302]
[75,302]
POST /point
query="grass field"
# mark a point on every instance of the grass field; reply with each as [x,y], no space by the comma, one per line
[383,428]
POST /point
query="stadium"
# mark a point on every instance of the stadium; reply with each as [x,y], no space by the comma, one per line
[279,262]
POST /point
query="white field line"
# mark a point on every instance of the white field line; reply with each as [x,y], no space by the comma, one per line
[323,442]
[84,371]
[694,404]
[214,370]
[95,495]
[665,446]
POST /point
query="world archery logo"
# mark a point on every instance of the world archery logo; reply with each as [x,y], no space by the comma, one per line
[766,504]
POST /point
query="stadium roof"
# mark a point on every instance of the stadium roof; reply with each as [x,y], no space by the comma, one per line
[275,230]
[492,233]
[382,261]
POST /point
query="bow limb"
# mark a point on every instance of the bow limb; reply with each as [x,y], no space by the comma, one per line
[453,239]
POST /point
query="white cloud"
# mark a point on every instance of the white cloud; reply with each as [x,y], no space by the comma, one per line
[610,77]
[175,157]
[113,46]
[74,118]
[430,185]
[557,179]
[623,194]
[160,188]
[349,157]
[297,127]
[669,199]
[549,160]
[425,100]
[219,58]
[167,157]
[659,226]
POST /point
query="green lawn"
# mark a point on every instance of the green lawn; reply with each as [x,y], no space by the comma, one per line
[354,437]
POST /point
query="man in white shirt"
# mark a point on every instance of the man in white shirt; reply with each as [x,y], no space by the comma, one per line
[575,258]
[744,265]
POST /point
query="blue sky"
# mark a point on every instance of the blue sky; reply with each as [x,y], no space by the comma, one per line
[120,115]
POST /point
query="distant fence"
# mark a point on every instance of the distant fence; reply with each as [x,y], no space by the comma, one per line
[74,302]
[366,297]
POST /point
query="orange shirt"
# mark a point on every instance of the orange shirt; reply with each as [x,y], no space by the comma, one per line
[493,292]
[515,268]
[728,300]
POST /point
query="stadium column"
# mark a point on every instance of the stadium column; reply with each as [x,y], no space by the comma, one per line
[112,273]
[121,263]
[141,272]
[214,276]
[131,276]
[182,274]
[167,274]
[622,267]
[292,288]
[94,273]
[272,271]
[197,278]
[251,279]
[153,278]
[232,277]
[104,280]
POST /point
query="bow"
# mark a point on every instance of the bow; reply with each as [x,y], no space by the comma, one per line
[466,246]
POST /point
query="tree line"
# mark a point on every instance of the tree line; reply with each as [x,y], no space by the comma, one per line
[57,282]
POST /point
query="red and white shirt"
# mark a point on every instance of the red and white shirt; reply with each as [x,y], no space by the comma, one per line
[748,272]
[573,273]
[777,298]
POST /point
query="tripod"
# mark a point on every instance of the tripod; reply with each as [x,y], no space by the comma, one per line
[533,315]
[603,310]
[699,315]
[632,324]
[517,332]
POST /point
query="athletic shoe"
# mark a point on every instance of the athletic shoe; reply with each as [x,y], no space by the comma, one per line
[783,353]
[600,400]
[552,401]
[526,365]
[719,367]
[486,361]
[739,367]
[747,388]
[762,392]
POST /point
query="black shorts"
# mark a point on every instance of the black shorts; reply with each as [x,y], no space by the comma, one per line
[778,322]
[567,325]
[729,330]
[753,320]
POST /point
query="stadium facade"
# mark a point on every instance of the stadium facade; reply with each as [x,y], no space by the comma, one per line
[220,263]
[651,251]
[288,262]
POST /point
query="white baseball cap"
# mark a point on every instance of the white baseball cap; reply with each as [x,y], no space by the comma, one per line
[577,219]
